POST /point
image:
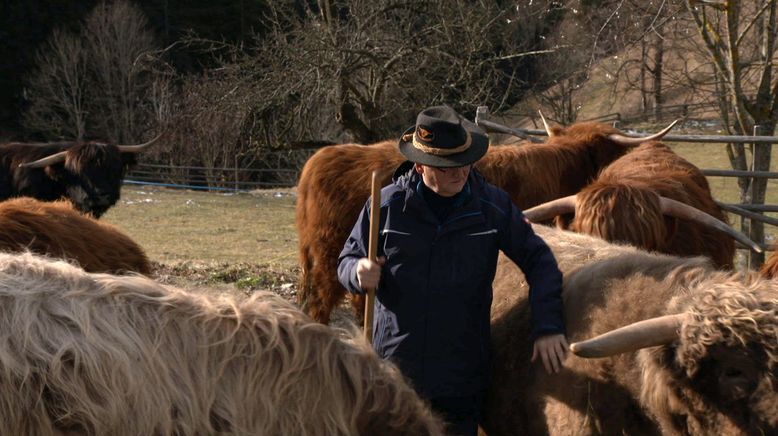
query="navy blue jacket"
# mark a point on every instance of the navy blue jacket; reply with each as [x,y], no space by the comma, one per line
[434,298]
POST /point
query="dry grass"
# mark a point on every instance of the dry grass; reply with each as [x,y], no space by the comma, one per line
[222,242]
[183,225]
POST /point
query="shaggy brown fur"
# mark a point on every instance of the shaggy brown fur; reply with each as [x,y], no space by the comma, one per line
[335,183]
[769,268]
[622,205]
[95,354]
[719,378]
[56,229]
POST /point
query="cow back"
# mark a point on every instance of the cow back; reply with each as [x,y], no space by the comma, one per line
[57,230]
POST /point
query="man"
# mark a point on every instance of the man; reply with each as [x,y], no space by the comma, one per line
[441,228]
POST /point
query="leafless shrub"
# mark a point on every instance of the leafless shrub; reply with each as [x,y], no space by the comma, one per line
[57,91]
[97,82]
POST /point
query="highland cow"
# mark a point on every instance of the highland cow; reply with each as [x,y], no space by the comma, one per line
[641,199]
[96,354]
[712,368]
[335,183]
[89,174]
[57,230]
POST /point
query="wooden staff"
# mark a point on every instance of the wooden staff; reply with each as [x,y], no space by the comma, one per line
[372,250]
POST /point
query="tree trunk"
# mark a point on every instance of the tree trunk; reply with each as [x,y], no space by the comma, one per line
[659,51]
[348,118]
[643,68]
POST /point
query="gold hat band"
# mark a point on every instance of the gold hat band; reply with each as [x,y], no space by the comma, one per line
[441,151]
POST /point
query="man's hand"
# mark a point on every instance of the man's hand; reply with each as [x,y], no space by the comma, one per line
[369,273]
[552,349]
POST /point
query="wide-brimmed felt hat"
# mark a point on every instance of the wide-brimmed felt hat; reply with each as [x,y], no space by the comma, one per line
[443,138]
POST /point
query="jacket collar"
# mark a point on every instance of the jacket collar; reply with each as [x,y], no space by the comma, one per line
[407,179]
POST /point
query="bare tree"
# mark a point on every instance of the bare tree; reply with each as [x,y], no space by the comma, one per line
[740,38]
[561,39]
[117,38]
[584,34]
[636,33]
[57,89]
[98,82]
[348,70]
[205,116]
[369,66]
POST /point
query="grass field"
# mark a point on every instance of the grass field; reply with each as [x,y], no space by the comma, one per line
[222,242]
[714,156]
[184,225]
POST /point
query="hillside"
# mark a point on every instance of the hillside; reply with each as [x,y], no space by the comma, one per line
[611,89]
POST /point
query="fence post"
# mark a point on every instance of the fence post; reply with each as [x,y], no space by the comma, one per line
[761,162]
[236,172]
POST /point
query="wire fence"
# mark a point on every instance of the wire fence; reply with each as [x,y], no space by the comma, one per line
[217,178]
[247,179]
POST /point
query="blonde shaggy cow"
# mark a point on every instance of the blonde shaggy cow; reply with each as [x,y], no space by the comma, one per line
[706,363]
[95,354]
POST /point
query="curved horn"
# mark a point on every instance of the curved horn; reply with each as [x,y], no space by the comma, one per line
[545,124]
[46,161]
[681,210]
[647,333]
[552,208]
[139,147]
[628,140]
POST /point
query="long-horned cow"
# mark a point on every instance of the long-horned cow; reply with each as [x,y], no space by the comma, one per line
[653,199]
[96,354]
[335,183]
[56,229]
[89,174]
[697,355]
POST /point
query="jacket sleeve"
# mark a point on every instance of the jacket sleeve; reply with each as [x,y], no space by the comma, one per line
[537,262]
[354,249]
